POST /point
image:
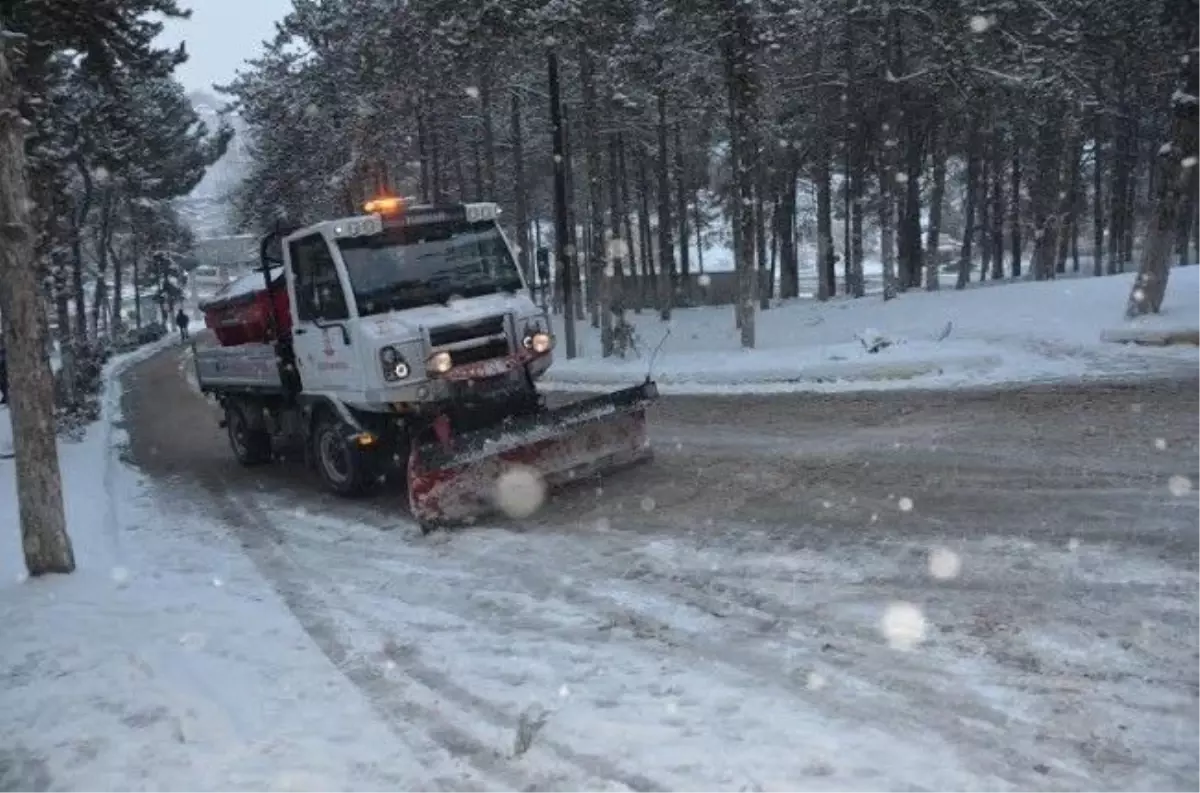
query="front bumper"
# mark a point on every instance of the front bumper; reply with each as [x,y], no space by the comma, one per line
[484,379]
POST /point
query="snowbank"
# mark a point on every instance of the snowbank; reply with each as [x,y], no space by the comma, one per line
[164,661]
[1005,333]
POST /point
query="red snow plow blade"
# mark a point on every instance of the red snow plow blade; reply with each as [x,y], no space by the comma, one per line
[455,482]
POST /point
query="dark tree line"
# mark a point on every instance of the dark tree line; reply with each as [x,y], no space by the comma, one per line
[1000,138]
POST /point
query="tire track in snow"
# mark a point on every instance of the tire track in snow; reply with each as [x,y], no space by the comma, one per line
[863,694]
[264,544]
[270,552]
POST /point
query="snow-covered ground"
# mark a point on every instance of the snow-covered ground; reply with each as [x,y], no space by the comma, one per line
[729,618]
[1000,333]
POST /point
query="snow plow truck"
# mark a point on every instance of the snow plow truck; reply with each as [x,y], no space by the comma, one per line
[404,341]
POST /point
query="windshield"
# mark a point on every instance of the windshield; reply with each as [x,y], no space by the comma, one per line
[428,264]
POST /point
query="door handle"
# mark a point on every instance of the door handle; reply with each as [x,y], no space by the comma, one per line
[300,331]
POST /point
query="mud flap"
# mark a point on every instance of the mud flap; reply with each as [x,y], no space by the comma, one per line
[455,482]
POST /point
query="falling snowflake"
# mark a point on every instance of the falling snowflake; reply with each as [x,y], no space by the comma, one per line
[903,625]
[120,576]
[603,524]
[944,564]
[815,681]
[218,582]
[980,23]
[1179,485]
[1073,544]
[905,504]
[564,691]
[704,280]
[520,491]
[1189,162]
[471,91]
[192,641]
[1160,444]
[901,178]
[648,504]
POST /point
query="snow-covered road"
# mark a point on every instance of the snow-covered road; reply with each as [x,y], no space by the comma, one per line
[947,591]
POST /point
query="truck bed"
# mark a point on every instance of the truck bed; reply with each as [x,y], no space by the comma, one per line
[245,367]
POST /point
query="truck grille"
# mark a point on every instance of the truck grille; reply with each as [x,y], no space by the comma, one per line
[471,342]
[497,348]
[455,334]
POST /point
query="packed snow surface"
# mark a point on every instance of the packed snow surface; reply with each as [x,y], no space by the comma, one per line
[779,602]
[986,335]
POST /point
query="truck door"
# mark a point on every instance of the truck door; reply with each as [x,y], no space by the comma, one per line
[321,332]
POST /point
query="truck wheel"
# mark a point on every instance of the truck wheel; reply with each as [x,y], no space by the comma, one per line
[345,469]
[250,447]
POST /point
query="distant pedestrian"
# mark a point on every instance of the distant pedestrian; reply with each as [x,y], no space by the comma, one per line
[181,321]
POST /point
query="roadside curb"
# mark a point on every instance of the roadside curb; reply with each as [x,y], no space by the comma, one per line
[871,375]
[1153,337]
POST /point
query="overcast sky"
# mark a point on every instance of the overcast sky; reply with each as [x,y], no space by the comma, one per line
[220,36]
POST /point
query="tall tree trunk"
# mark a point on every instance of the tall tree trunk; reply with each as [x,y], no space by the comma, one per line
[79,220]
[984,208]
[521,199]
[1014,208]
[647,280]
[933,256]
[460,171]
[666,256]
[997,213]
[423,155]
[1070,204]
[1118,193]
[44,539]
[914,165]
[577,272]
[789,261]
[858,280]
[565,257]
[739,45]
[435,165]
[1178,176]
[1098,142]
[698,223]
[821,176]
[627,220]
[489,128]
[593,161]
[1045,198]
[619,251]
[973,155]
[765,288]
[118,287]
[99,295]
[681,207]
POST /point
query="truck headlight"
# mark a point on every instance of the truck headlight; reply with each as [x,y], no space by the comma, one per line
[439,362]
[539,342]
[393,363]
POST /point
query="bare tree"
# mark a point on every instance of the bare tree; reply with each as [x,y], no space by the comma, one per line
[39,484]
[1178,169]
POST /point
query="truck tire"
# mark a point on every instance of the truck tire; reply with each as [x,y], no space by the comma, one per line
[250,447]
[344,468]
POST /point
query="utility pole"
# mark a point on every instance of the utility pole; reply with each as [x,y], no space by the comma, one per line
[31,394]
[566,262]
